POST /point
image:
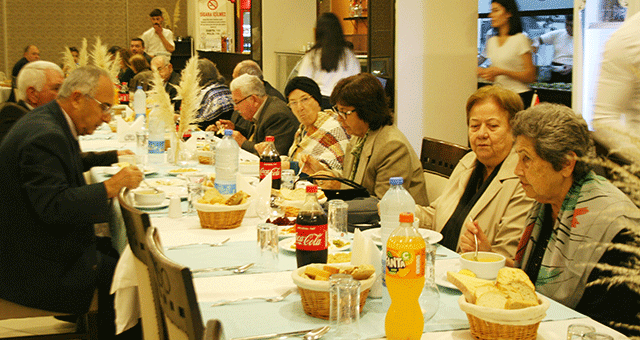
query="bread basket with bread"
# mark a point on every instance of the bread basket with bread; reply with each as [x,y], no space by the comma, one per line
[217,211]
[508,308]
[313,283]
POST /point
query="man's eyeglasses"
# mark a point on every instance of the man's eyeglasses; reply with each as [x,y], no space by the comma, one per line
[342,114]
[241,100]
[106,108]
[302,101]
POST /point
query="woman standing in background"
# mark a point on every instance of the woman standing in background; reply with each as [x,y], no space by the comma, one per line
[509,51]
[330,59]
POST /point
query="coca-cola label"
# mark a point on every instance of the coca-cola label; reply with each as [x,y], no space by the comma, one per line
[273,167]
[123,97]
[311,237]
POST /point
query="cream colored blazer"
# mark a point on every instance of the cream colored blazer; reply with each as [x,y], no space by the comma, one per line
[501,211]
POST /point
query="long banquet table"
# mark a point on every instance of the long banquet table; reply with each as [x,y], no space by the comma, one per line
[256,317]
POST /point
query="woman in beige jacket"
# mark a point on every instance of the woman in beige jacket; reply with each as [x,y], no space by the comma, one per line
[483,187]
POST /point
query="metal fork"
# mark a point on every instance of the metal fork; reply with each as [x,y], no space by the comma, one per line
[200,243]
[268,299]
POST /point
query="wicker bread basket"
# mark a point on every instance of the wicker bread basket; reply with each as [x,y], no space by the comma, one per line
[220,216]
[491,323]
[315,294]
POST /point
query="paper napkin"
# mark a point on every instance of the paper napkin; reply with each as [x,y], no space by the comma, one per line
[364,251]
[243,184]
[126,131]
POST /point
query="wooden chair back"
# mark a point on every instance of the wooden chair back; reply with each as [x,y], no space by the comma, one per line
[441,157]
[177,294]
[136,224]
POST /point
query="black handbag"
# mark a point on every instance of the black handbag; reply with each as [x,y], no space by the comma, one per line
[363,208]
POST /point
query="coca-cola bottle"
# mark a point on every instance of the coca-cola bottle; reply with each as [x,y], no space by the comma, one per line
[123,94]
[270,162]
[312,239]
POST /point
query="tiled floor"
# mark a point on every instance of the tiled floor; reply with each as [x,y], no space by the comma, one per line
[34,326]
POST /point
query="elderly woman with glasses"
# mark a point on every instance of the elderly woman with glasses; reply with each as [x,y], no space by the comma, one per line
[320,141]
[482,191]
[579,223]
[377,150]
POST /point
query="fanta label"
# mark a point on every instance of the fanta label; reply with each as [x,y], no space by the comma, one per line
[406,264]
[311,237]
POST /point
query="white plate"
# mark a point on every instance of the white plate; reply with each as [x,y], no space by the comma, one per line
[171,186]
[289,244]
[178,171]
[114,170]
[442,267]
[431,236]
[162,205]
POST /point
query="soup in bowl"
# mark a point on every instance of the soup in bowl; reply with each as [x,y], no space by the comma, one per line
[486,266]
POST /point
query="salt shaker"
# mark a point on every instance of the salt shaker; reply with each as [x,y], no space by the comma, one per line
[175,207]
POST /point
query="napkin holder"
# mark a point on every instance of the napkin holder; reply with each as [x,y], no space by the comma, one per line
[126,131]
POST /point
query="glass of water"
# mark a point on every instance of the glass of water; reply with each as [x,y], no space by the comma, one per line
[578,331]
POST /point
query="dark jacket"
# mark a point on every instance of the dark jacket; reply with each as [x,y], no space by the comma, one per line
[276,119]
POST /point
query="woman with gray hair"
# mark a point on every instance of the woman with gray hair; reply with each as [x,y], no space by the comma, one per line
[216,103]
[578,219]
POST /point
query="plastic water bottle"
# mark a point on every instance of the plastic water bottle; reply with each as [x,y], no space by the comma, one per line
[140,103]
[156,137]
[226,164]
[394,202]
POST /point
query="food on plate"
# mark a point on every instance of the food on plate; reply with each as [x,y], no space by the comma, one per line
[204,159]
[482,257]
[360,272]
[182,170]
[511,290]
[282,221]
[210,180]
[123,165]
[467,272]
[213,196]
[339,257]
[288,231]
[298,194]
[340,243]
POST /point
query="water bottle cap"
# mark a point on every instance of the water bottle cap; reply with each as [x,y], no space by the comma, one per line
[311,189]
[406,217]
[269,139]
[228,132]
[139,87]
[396,181]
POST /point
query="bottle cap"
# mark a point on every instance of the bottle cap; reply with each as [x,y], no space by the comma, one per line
[312,189]
[228,132]
[269,139]
[406,217]
[139,87]
[396,181]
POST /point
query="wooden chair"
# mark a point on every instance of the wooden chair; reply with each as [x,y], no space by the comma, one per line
[438,160]
[136,223]
[178,297]
[441,157]
[87,330]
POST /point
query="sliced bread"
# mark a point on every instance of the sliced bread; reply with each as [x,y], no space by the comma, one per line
[491,296]
[467,284]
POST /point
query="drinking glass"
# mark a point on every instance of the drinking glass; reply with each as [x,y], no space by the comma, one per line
[288,177]
[430,297]
[195,181]
[344,307]
[337,219]
[579,331]
[598,336]
[142,142]
[268,246]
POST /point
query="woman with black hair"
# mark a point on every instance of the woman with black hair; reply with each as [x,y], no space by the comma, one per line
[509,51]
[330,59]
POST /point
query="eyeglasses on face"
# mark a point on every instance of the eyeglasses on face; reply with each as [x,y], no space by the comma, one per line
[241,100]
[302,101]
[106,108]
[342,114]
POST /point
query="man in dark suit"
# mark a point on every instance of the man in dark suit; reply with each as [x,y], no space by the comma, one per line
[252,68]
[48,253]
[31,53]
[170,78]
[270,116]
[37,84]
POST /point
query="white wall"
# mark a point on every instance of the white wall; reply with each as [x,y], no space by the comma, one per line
[287,25]
[436,58]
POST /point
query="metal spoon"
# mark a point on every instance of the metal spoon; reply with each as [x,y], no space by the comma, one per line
[236,269]
[316,333]
[475,238]
[243,269]
[201,243]
[150,186]
[277,298]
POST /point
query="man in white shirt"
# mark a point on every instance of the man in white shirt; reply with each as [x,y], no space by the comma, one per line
[562,41]
[158,40]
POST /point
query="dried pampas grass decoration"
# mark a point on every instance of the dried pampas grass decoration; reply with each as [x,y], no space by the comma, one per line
[176,15]
[191,93]
[166,17]
[83,58]
[68,62]
[160,97]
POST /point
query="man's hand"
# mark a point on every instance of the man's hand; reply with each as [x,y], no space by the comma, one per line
[311,165]
[125,152]
[157,28]
[260,147]
[467,242]
[223,124]
[129,177]
[327,184]
[239,137]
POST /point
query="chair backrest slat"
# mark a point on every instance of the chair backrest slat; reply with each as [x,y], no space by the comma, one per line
[441,157]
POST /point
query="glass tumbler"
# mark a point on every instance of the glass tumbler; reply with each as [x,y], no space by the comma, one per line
[268,246]
[344,307]
[578,331]
[195,183]
[337,219]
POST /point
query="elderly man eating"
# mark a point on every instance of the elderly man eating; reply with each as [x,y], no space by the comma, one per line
[48,246]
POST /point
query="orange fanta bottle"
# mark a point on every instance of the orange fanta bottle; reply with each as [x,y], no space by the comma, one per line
[406,256]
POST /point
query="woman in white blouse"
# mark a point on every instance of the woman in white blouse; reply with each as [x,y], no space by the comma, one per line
[330,59]
[509,51]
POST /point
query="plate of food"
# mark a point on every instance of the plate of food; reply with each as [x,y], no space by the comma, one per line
[115,167]
[178,171]
[292,200]
[335,245]
[171,186]
[442,267]
[162,205]
[430,236]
